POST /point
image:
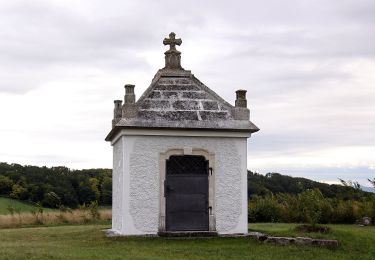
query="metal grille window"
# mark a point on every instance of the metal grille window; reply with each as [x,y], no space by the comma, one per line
[187,164]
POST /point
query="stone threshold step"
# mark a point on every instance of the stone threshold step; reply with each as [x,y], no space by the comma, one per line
[187,233]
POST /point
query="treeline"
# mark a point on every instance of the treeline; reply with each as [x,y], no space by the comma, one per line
[274,183]
[272,197]
[279,198]
[56,186]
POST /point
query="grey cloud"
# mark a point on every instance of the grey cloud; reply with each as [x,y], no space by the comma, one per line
[358,11]
[309,77]
[292,142]
[296,43]
[43,37]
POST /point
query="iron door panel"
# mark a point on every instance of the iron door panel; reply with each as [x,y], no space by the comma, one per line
[187,197]
[187,184]
[187,203]
[186,221]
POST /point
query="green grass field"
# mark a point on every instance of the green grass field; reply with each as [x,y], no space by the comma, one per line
[89,242]
[16,204]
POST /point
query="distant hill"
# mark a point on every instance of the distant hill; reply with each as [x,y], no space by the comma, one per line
[368,189]
[260,185]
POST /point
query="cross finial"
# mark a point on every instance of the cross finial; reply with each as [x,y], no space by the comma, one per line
[172,56]
[172,41]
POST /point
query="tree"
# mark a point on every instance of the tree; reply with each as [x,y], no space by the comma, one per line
[19,192]
[67,195]
[5,185]
[85,193]
[372,182]
[94,185]
[106,188]
[51,200]
[353,184]
[37,191]
[311,202]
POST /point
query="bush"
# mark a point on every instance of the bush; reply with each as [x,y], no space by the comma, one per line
[265,209]
[311,204]
[94,210]
[288,207]
[309,207]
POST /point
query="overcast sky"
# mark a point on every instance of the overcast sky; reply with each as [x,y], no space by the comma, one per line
[308,67]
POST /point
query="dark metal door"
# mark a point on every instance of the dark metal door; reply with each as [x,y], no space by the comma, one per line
[186,192]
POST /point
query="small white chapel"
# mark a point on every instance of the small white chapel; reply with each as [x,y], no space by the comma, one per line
[179,157]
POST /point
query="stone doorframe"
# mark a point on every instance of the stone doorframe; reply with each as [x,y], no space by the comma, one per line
[211,183]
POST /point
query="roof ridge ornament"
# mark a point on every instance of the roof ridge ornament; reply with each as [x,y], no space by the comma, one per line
[172,56]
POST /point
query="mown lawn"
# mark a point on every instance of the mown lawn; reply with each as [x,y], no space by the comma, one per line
[17,205]
[89,242]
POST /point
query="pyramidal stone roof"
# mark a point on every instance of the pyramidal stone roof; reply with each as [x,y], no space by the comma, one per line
[176,99]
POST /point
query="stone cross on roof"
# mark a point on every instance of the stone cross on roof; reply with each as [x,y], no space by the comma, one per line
[172,41]
[172,56]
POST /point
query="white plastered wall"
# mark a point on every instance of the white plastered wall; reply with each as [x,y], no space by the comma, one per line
[136,179]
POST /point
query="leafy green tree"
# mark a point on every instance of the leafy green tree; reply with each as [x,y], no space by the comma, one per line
[106,193]
[19,192]
[37,191]
[311,202]
[85,193]
[94,185]
[67,195]
[5,185]
[51,200]
[353,189]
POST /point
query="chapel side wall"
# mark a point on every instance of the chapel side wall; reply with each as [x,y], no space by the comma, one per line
[230,175]
[128,227]
[243,219]
[117,188]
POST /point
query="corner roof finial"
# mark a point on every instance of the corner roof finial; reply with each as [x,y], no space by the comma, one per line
[172,41]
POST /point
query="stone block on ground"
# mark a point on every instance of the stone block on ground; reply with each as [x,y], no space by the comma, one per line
[326,243]
[304,240]
[365,221]
[257,235]
[280,240]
